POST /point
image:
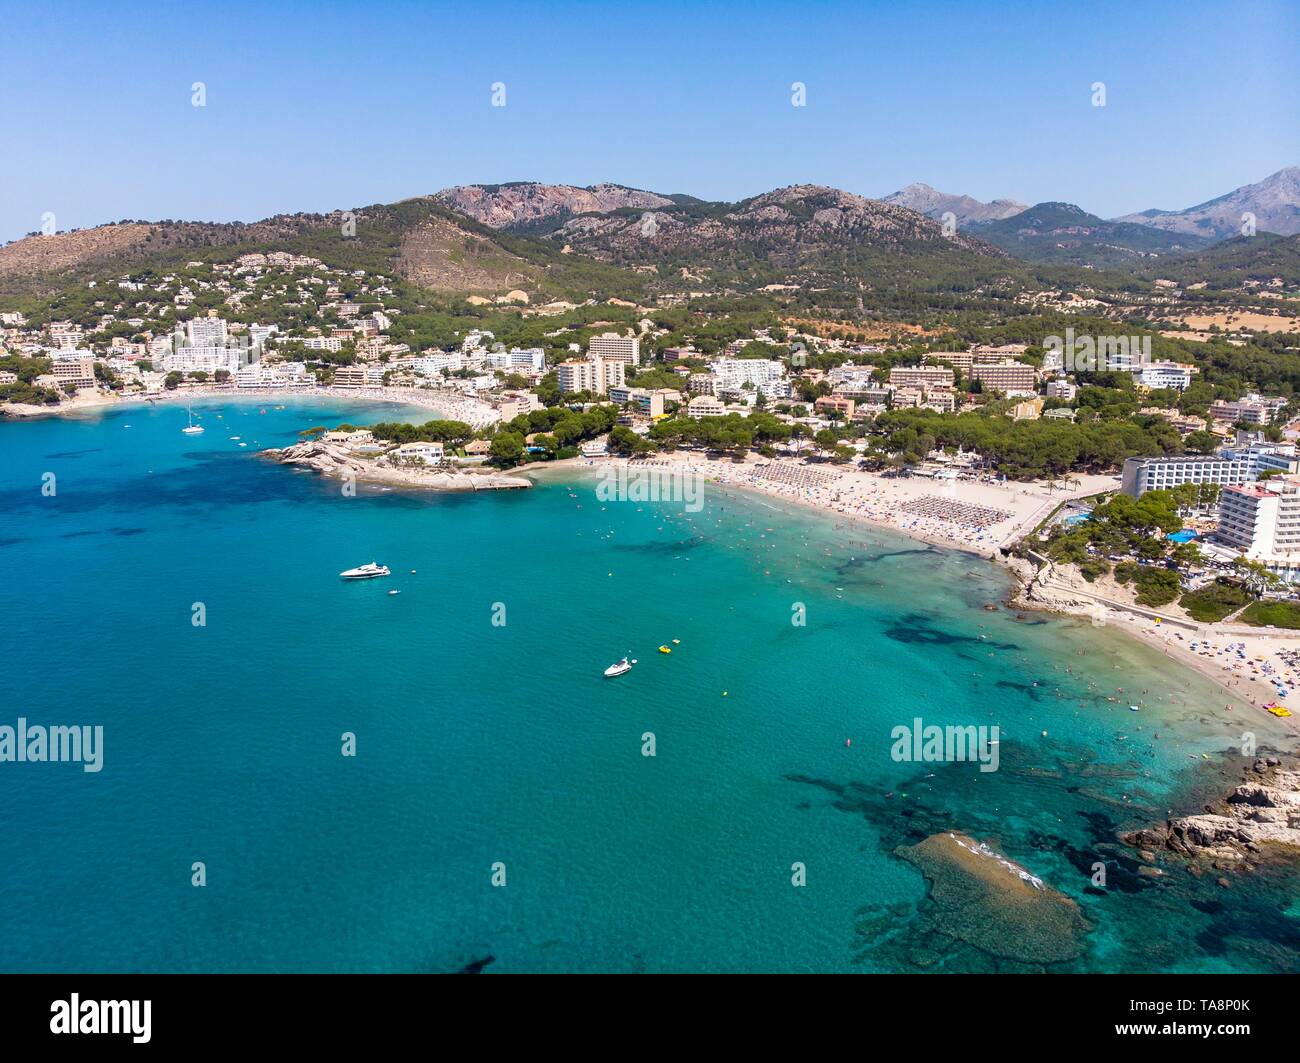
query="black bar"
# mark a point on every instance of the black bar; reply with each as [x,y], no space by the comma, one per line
[1039,1013]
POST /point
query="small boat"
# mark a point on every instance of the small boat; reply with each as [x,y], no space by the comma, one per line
[664,649]
[192,429]
[1279,711]
[370,571]
[394,591]
[677,642]
[1134,708]
[619,667]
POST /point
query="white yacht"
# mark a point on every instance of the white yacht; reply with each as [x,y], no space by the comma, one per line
[369,571]
[619,668]
[193,429]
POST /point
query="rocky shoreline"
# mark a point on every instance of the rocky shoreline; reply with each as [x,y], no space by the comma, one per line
[339,462]
[1258,820]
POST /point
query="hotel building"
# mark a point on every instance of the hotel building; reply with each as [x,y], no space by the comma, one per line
[533,358]
[705,406]
[616,348]
[735,372]
[75,371]
[957,359]
[206,332]
[1228,468]
[1262,522]
[1158,375]
[921,376]
[596,375]
[1013,378]
[1251,410]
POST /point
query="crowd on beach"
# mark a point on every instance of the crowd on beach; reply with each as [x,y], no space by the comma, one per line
[1278,668]
[971,515]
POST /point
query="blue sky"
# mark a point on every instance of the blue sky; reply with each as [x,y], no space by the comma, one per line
[334,105]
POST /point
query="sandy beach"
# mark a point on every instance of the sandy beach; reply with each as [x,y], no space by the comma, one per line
[1256,666]
[975,516]
[445,404]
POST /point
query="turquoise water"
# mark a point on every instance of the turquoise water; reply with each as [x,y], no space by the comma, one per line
[481,743]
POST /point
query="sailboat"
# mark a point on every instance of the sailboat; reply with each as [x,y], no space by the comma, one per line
[193,429]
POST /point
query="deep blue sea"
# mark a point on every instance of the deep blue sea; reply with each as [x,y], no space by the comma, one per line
[482,744]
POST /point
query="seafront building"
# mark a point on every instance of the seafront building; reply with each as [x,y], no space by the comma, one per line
[422,452]
[74,369]
[705,406]
[1261,521]
[1228,468]
[530,358]
[206,332]
[436,362]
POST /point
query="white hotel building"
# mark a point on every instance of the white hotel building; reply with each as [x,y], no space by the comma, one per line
[1262,522]
[1160,375]
[730,373]
[616,348]
[1228,468]
[433,364]
[206,332]
[533,358]
[207,359]
[596,375]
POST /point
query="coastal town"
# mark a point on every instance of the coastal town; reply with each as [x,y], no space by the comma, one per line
[872,430]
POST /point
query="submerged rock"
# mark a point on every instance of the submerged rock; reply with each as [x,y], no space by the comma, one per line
[982,898]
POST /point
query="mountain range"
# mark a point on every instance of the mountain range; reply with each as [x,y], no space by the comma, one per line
[1274,201]
[1064,233]
[564,240]
[925,200]
[1047,233]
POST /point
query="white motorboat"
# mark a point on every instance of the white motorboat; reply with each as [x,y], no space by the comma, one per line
[370,571]
[619,668]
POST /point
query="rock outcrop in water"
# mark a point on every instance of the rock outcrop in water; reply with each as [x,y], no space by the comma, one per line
[330,459]
[1264,810]
[982,898]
